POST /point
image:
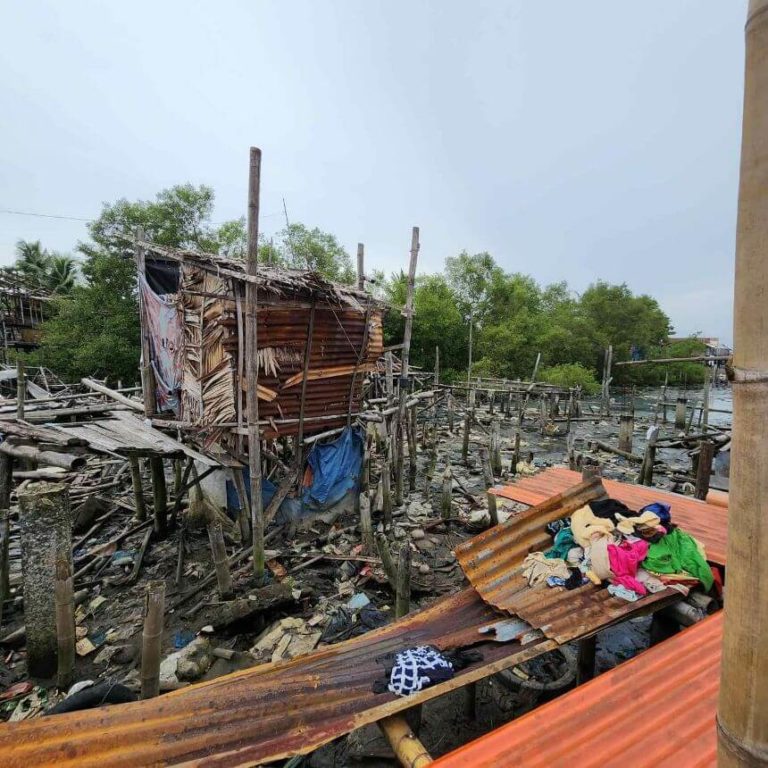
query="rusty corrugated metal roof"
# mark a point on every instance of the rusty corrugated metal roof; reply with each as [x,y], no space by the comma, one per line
[654,711]
[491,561]
[266,712]
[707,522]
[277,710]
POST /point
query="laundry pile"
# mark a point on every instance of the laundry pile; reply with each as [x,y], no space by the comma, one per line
[635,553]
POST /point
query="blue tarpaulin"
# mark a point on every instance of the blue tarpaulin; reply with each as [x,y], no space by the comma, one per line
[335,471]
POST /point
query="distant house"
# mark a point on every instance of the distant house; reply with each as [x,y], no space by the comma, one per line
[713,344]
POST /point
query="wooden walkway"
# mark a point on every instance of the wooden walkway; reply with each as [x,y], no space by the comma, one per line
[706,522]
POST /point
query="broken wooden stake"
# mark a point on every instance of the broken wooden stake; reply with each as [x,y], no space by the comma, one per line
[387,564]
[403,587]
[65,621]
[626,430]
[151,639]
[704,469]
[219,555]
[159,496]
[447,497]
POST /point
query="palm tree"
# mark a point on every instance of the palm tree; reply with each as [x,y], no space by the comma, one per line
[61,273]
[32,261]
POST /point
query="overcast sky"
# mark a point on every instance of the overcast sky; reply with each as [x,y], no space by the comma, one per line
[571,140]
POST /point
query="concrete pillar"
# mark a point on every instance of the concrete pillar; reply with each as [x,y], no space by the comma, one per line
[45,521]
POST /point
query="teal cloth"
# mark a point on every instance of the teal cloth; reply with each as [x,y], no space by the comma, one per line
[563,544]
[676,552]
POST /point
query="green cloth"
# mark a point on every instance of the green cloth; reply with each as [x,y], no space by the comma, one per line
[563,544]
[676,552]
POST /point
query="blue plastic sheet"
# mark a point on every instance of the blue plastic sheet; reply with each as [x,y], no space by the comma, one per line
[335,468]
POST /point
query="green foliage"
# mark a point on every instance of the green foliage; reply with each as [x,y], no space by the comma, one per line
[54,272]
[678,374]
[95,330]
[571,375]
[513,319]
[304,248]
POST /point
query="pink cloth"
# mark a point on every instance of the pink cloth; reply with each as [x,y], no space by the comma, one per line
[625,559]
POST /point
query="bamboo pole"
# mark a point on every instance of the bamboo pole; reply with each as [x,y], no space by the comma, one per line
[112,394]
[360,267]
[403,393]
[489,483]
[151,639]
[405,744]
[743,707]
[252,365]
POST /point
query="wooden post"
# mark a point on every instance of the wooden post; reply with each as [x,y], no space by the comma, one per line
[386,490]
[403,597]
[411,426]
[447,497]
[465,438]
[303,400]
[21,388]
[252,364]
[607,380]
[649,458]
[138,489]
[449,404]
[489,483]
[65,621]
[585,666]
[360,267]
[626,430]
[387,565]
[680,413]
[159,495]
[151,639]
[147,376]
[437,367]
[704,470]
[405,744]
[496,446]
[244,514]
[401,415]
[45,522]
[219,556]
[6,482]
[705,404]
[469,362]
[389,378]
[742,719]
[366,526]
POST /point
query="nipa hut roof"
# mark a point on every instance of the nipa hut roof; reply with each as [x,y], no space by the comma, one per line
[278,281]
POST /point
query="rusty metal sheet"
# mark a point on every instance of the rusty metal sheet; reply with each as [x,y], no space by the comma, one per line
[564,615]
[603,726]
[491,561]
[706,522]
[266,712]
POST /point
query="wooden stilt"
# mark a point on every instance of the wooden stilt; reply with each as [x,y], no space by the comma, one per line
[151,639]
[138,489]
[159,496]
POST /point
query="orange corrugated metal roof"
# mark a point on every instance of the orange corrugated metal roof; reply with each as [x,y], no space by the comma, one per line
[707,522]
[657,709]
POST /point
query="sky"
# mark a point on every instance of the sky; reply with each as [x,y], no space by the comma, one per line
[571,140]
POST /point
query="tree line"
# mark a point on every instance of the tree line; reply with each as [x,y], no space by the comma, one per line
[93,329]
